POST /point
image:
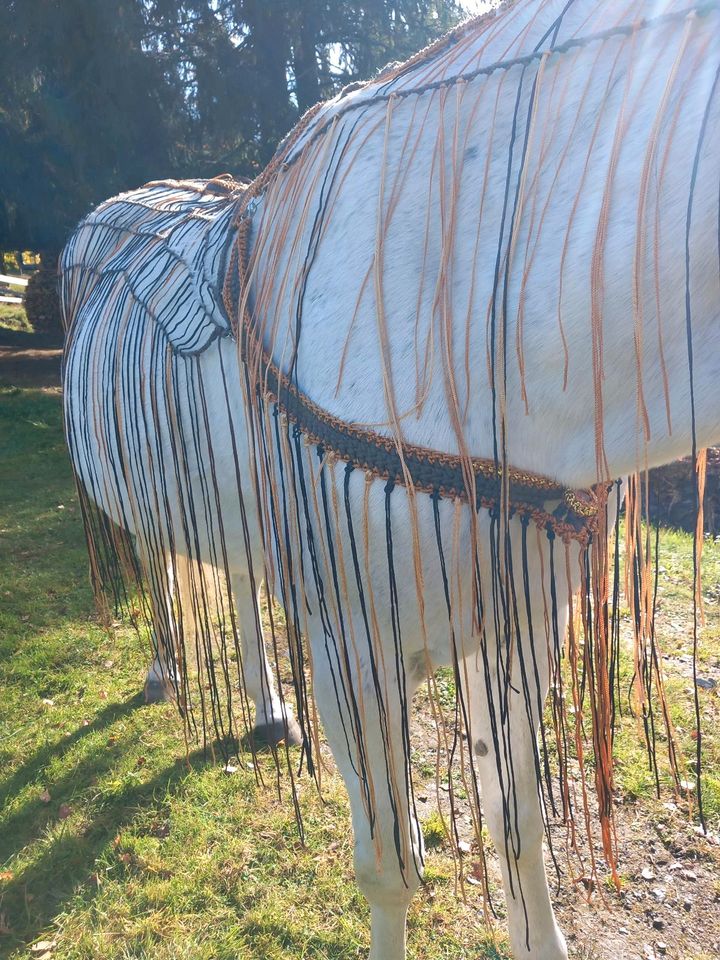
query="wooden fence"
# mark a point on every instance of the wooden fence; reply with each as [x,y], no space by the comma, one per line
[7,282]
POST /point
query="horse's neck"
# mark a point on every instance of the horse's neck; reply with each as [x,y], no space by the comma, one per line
[511,30]
[399,222]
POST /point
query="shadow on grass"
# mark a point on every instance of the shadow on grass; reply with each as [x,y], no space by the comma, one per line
[30,771]
[64,865]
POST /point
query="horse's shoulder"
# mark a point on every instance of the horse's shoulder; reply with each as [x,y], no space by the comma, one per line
[163,246]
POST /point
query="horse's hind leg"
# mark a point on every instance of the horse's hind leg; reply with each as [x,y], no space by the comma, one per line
[158,684]
[274,720]
[161,683]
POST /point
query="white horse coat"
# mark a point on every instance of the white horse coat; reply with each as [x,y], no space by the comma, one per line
[504,251]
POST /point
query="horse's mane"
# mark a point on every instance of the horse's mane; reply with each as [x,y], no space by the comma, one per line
[470,50]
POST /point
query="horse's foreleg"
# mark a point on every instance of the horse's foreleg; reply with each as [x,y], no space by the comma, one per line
[274,720]
[504,745]
[368,736]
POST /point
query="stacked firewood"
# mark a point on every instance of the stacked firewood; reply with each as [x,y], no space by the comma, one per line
[42,303]
[672,494]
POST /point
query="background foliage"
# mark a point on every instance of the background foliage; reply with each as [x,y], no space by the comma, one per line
[101,96]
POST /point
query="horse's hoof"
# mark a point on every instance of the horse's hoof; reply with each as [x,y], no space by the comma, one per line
[157,691]
[277,732]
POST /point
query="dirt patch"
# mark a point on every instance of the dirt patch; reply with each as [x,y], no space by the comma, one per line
[668,905]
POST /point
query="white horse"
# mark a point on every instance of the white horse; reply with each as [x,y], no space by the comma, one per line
[505,251]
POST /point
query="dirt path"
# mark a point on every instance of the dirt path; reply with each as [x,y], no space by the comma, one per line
[30,360]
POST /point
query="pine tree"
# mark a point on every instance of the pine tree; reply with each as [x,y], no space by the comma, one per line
[99,97]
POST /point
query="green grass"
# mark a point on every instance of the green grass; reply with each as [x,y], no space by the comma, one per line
[114,844]
[674,631]
[13,317]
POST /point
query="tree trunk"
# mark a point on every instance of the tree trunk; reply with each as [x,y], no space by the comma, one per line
[307,80]
[269,34]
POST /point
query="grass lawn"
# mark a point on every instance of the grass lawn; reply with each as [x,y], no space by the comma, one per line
[113,844]
[13,317]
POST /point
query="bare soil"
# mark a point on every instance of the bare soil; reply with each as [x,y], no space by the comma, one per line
[668,905]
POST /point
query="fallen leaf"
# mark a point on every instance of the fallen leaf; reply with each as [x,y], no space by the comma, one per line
[587,882]
[141,762]
[6,875]
[103,695]
[45,796]
[64,811]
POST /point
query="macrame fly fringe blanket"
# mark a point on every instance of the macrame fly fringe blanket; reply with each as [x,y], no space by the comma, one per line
[240,384]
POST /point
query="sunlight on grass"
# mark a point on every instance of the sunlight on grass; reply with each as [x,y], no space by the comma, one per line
[13,317]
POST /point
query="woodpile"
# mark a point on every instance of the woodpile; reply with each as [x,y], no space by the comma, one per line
[42,303]
[672,494]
